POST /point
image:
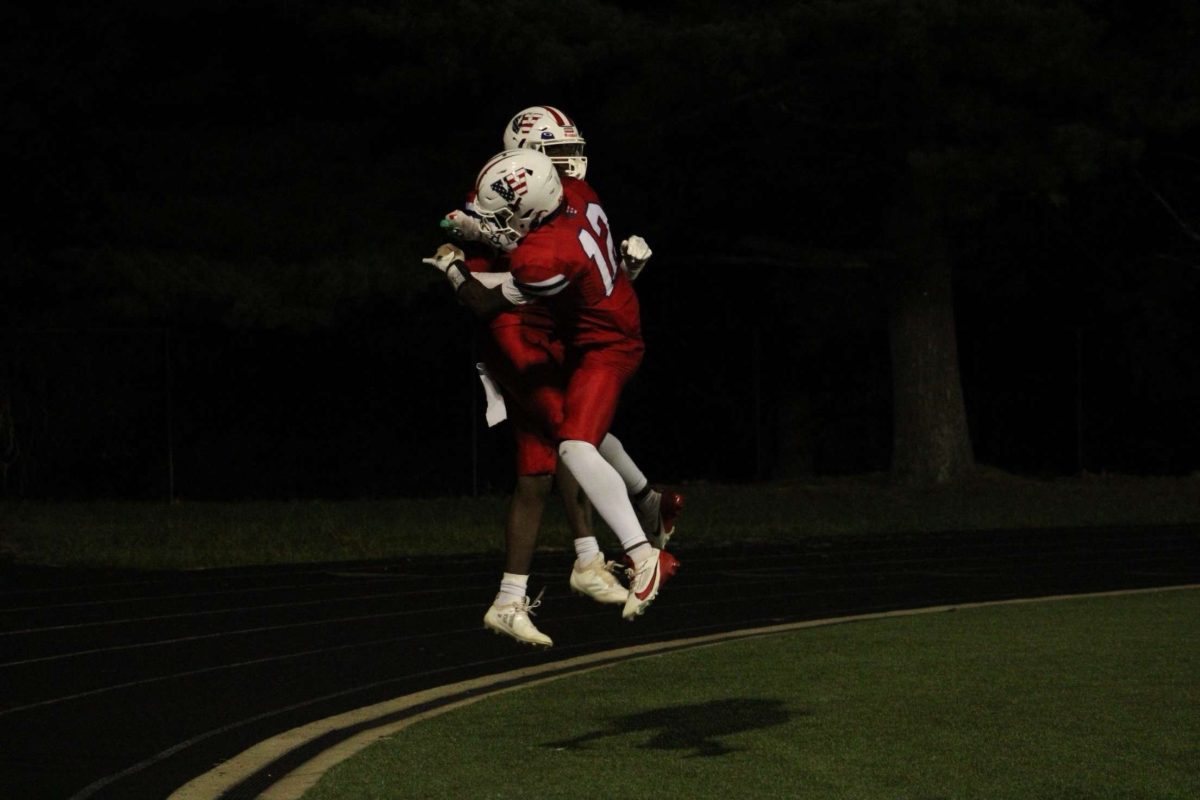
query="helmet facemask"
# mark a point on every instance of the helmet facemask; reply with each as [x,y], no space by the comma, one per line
[495,227]
[549,130]
[568,157]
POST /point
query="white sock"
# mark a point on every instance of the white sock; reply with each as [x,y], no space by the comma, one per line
[614,453]
[606,490]
[512,588]
[586,549]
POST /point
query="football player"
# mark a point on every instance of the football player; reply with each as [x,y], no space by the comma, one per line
[524,355]
[561,255]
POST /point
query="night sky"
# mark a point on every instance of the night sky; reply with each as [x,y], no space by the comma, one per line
[212,286]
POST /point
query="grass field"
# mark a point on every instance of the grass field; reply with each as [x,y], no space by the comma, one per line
[1090,698]
[193,535]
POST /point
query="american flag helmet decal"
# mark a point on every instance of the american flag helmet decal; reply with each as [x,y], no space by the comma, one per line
[512,184]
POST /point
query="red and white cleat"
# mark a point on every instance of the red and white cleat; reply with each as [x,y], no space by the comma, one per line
[670,506]
[645,579]
[659,512]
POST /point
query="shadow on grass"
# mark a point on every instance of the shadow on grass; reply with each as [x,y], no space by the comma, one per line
[697,728]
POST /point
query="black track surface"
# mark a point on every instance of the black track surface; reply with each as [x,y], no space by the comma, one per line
[127,685]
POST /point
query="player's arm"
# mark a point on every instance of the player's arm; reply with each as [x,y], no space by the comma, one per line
[486,295]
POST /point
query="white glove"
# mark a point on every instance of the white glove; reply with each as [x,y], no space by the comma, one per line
[634,255]
[449,260]
[462,225]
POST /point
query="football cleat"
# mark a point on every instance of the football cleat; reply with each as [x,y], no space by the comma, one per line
[596,581]
[670,506]
[646,577]
[512,619]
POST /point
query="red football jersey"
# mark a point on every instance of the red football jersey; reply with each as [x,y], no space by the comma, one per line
[570,265]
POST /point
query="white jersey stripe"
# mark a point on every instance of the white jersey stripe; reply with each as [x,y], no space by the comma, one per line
[547,282]
[546,288]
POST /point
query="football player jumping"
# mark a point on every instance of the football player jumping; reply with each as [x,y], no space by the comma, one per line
[527,358]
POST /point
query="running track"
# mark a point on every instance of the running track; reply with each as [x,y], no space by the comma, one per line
[128,685]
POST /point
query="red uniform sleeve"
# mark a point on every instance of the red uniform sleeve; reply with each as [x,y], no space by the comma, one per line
[538,268]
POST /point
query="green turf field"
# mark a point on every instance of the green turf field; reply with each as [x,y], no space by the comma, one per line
[1081,698]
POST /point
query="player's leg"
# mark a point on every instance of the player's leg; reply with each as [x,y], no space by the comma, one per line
[528,366]
[578,510]
[533,372]
[527,360]
[657,511]
[510,610]
[592,574]
[606,490]
[591,401]
[524,521]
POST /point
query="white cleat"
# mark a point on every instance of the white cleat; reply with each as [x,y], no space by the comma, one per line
[513,620]
[597,581]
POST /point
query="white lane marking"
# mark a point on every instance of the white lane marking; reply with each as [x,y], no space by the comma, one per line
[239,632]
[214,783]
[222,667]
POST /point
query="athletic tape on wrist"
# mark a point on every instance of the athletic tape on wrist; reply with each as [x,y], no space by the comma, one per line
[457,274]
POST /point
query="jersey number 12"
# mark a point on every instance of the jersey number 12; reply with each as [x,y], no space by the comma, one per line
[605,257]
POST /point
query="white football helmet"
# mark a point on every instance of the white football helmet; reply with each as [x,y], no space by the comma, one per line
[547,129]
[515,191]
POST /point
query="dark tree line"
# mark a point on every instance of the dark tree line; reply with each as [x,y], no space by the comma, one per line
[278,166]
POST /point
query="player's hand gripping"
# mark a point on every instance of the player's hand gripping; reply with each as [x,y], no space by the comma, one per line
[449,260]
[461,225]
[634,255]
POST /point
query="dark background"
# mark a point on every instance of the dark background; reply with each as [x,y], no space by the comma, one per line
[211,272]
